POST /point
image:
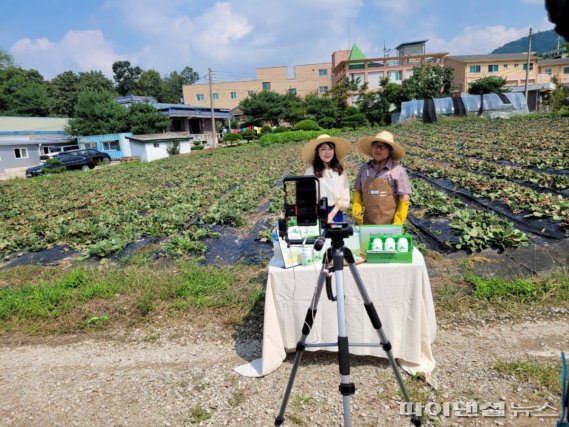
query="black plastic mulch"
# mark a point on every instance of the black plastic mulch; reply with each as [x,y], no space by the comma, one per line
[543,227]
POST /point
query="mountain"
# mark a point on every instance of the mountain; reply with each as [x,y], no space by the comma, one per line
[540,42]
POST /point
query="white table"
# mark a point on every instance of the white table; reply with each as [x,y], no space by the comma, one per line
[401,294]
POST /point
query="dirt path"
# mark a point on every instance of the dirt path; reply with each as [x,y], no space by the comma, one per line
[169,375]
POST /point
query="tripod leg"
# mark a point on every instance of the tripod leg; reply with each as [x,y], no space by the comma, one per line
[347,388]
[300,346]
[384,342]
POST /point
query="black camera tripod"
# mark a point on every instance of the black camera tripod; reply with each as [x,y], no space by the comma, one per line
[334,261]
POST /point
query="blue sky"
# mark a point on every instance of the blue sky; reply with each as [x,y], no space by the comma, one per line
[234,37]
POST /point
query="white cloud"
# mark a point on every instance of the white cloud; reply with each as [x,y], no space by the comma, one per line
[85,50]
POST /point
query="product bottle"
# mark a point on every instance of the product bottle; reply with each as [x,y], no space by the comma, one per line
[277,251]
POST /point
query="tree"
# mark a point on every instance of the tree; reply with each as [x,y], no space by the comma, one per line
[98,113]
[293,109]
[375,106]
[266,105]
[558,95]
[6,60]
[126,77]
[64,89]
[144,119]
[319,107]
[19,87]
[150,84]
[342,91]
[429,82]
[490,84]
[173,84]
[95,81]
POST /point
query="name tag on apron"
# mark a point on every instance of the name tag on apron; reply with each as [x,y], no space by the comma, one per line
[377,193]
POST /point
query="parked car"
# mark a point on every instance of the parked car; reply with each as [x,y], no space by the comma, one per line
[66,161]
[51,151]
[96,155]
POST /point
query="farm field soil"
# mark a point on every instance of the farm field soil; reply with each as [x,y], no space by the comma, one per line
[180,373]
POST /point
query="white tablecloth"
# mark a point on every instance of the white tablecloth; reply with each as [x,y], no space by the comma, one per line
[401,294]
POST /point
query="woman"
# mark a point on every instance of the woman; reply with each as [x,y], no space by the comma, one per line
[382,189]
[323,156]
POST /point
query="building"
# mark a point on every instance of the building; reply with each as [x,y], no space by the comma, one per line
[24,139]
[191,120]
[353,64]
[115,145]
[558,67]
[158,146]
[512,68]
[308,78]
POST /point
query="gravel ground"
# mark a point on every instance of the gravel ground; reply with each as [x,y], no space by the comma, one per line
[178,375]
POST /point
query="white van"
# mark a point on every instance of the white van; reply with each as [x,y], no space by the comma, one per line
[49,151]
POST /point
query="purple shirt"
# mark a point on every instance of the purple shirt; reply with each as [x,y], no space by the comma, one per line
[393,171]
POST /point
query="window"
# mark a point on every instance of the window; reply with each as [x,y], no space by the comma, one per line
[322,72]
[505,65]
[394,75]
[215,96]
[516,65]
[250,92]
[323,89]
[565,70]
[547,71]
[493,68]
[266,85]
[111,146]
[530,66]
[21,153]
[233,95]
[475,68]
[200,97]
[156,145]
[292,91]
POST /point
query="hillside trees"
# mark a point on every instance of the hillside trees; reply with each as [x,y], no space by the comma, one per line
[126,77]
[64,90]
[6,60]
[23,93]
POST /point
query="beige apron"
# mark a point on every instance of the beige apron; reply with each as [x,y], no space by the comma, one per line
[379,202]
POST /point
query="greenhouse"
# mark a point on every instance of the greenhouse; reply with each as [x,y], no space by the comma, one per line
[494,105]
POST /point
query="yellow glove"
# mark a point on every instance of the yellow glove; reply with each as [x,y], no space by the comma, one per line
[401,214]
[357,208]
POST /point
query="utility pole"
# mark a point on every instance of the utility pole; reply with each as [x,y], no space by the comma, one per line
[527,66]
[214,141]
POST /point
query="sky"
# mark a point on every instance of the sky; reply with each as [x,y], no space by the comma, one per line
[234,37]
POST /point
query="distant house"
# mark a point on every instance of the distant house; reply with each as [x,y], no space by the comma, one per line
[187,119]
[116,145]
[24,139]
[156,146]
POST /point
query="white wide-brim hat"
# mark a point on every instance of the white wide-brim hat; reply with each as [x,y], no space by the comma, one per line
[341,147]
[397,152]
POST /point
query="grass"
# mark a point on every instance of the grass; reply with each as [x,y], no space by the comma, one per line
[199,414]
[101,296]
[540,373]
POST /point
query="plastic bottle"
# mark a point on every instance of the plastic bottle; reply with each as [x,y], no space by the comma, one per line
[277,251]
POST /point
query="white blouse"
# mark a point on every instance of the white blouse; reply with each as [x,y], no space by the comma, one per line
[333,186]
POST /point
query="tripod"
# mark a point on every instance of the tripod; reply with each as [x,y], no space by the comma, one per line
[333,261]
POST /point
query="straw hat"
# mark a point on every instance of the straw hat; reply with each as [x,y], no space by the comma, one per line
[397,152]
[341,147]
